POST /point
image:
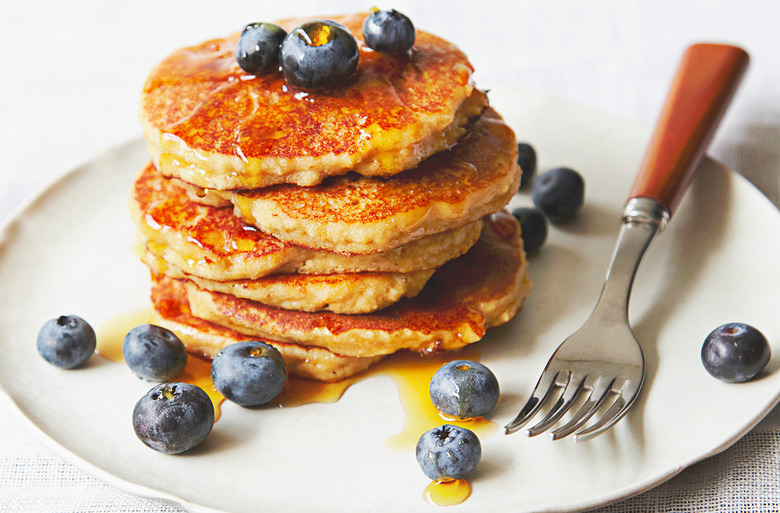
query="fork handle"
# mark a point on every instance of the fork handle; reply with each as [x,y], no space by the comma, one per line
[702,89]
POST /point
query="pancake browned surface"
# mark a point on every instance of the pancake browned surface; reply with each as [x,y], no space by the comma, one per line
[483,288]
[214,244]
[206,339]
[215,126]
[342,225]
[345,293]
[361,214]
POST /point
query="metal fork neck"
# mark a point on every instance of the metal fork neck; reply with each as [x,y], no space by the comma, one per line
[646,210]
[643,220]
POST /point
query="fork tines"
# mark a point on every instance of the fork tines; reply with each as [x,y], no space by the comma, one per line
[558,392]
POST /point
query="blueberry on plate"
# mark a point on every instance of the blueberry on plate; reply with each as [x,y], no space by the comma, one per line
[173,417]
[559,193]
[448,452]
[249,373]
[464,389]
[257,51]
[735,352]
[67,341]
[388,31]
[533,227]
[526,159]
[154,353]
[319,54]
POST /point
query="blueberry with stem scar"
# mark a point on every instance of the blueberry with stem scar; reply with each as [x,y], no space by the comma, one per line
[448,452]
[173,417]
[735,352]
[67,341]
[319,54]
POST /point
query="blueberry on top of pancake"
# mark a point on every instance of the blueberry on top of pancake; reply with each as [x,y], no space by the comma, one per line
[212,124]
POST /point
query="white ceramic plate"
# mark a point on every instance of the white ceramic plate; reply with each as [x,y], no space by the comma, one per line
[71,251]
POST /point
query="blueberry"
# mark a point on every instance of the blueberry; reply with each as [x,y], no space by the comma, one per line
[464,389]
[448,452]
[533,227]
[319,54]
[173,417]
[388,31]
[154,353]
[249,373]
[67,341]
[559,193]
[735,352]
[257,51]
[526,159]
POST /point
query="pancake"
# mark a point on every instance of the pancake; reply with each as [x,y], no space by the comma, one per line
[346,293]
[481,289]
[358,214]
[213,125]
[203,338]
[212,243]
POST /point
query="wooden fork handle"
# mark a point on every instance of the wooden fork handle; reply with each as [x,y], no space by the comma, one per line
[703,86]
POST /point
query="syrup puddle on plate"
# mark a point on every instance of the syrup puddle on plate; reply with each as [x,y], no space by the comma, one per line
[410,371]
[447,493]
[197,372]
[412,375]
[111,334]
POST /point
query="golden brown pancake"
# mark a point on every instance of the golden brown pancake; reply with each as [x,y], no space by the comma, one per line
[213,125]
[483,288]
[214,244]
[206,339]
[358,214]
[345,293]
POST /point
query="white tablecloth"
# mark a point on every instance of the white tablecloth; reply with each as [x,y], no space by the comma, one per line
[70,74]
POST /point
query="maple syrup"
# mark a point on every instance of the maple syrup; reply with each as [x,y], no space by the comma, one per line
[198,372]
[431,80]
[412,374]
[318,34]
[111,333]
[447,492]
[299,391]
[410,371]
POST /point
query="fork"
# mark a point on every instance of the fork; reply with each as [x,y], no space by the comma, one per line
[598,372]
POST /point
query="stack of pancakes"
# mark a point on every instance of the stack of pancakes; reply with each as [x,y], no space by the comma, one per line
[340,226]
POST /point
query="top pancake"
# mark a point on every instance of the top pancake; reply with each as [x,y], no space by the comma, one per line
[213,125]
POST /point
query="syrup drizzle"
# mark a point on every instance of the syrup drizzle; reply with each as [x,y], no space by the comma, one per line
[296,391]
[411,372]
[198,372]
[111,334]
[447,493]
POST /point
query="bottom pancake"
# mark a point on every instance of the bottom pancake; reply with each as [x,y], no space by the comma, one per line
[203,338]
[481,289]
